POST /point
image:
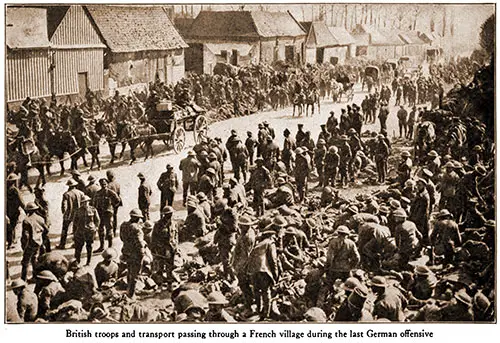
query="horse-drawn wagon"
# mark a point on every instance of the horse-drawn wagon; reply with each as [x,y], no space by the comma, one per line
[172,121]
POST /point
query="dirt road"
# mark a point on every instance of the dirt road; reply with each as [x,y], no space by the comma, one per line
[127,175]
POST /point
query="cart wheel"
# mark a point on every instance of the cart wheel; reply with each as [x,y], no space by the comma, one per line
[179,139]
[200,128]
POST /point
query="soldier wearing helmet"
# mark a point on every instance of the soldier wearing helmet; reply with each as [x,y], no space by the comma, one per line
[86,224]
[164,240]
[134,248]
[33,228]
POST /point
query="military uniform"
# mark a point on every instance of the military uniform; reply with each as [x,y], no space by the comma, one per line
[14,203]
[86,224]
[164,240]
[194,226]
[332,162]
[33,228]
[342,256]
[144,198]
[319,162]
[190,168]
[445,238]
[167,184]
[407,240]
[70,204]
[105,201]
[259,181]
[390,305]
[419,214]
[133,252]
[302,170]
[263,269]
[345,154]
[27,305]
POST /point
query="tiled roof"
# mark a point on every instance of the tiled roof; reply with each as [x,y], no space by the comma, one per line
[319,36]
[341,35]
[26,27]
[244,24]
[135,28]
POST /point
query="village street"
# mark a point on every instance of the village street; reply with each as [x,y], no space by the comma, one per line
[127,174]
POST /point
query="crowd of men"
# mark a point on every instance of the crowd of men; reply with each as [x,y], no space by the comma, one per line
[276,241]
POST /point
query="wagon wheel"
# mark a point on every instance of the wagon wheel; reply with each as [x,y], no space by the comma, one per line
[179,138]
[200,128]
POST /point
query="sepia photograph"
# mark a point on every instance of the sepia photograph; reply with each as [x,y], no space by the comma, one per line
[249,163]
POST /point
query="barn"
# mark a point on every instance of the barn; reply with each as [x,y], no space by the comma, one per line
[142,45]
[28,66]
[77,51]
[243,37]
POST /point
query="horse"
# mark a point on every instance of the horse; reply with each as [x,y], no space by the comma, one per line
[108,131]
[424,139]
[456,142]
[298,102]
[312,98]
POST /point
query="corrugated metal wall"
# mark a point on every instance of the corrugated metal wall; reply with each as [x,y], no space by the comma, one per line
[75,29]
[68,63]
[27,74]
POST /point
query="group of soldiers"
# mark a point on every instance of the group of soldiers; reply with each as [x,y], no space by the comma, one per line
[277,240]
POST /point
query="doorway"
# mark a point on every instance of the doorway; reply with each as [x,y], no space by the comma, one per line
[83,84]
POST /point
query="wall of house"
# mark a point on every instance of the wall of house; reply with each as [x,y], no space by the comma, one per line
[209,60]
[143,67]
[69,62]
[310,55]
[274,49]
[27,74]
[194,58]
[338,51]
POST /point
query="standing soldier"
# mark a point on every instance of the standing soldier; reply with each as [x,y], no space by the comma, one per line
[195,223]
[331,166]
[269,129]
[225,239]
[215,165]
[288,147]
[167,184]
[239,155]
[381,156]
[402,121]
[448,186]
[190,168]
[300,135]
[250,143]
[43,210]
[264,270]
[14,203]
[164,241]
[31,239]
[105,201]
[133,249]
[70,203]
[404,168]
[302,170]
[407,237]
[412,118]
[244,246]
[271,154]
[115,187]
[345,160]
[342,256]
[445,237]
[420,210]
[208,183]
[259,181]
[92,188]
[144,197]
[77,176]
[319,161]
[85,226]
[382,116]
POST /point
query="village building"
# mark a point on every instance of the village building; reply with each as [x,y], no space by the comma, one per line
[77,52]
[243,37]
[320,43]
[27,72]
[142,45]
[372,44]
